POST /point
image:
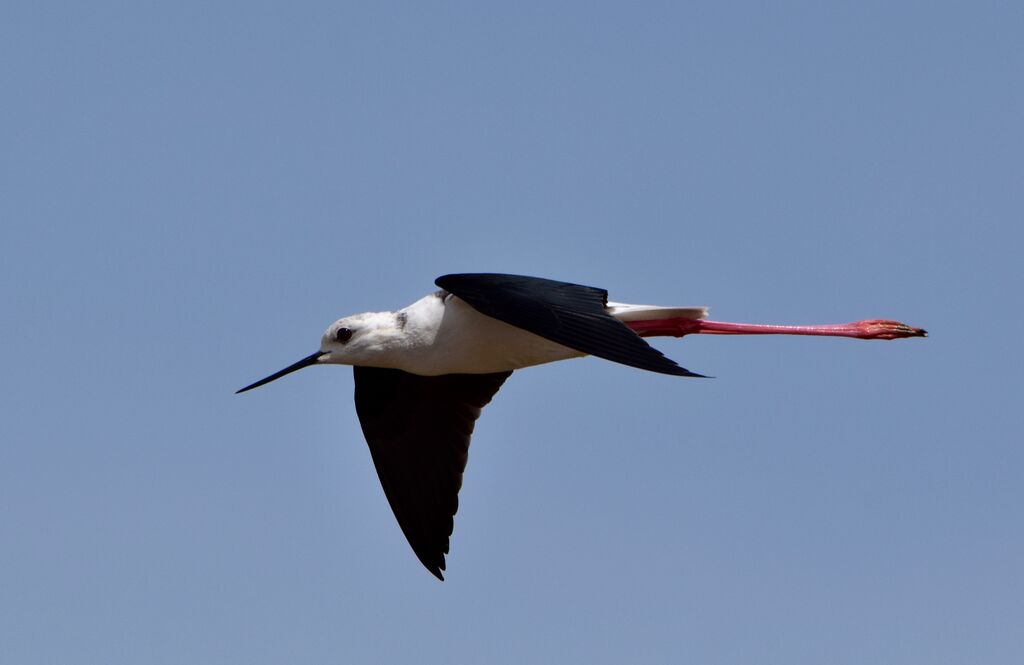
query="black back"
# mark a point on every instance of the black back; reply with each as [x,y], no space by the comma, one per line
[418,429]
[569,314]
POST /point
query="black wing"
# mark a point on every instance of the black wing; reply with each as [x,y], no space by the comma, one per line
[418,428]
[569,314]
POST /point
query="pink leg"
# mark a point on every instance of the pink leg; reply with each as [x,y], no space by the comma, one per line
[871,329]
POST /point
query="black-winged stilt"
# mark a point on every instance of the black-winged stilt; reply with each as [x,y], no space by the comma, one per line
[423,373]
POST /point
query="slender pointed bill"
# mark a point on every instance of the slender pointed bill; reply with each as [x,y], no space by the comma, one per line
[305,362]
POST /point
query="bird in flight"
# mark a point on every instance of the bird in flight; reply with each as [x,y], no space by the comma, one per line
[424,373]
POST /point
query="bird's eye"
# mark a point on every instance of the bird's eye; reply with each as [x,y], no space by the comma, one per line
[343,335]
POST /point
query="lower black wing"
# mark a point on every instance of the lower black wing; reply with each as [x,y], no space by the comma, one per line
[418,429]
[569,314]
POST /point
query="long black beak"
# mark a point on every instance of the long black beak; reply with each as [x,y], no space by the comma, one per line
[305,362]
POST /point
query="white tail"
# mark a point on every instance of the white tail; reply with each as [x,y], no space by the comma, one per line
[625,312]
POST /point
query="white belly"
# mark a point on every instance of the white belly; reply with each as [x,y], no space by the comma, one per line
[460,340]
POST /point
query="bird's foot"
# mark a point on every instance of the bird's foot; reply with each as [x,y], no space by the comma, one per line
[883,329]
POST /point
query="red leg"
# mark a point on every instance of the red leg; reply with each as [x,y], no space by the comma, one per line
[870,329]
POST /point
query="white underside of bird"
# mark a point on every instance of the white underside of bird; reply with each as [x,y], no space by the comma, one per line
[442,334]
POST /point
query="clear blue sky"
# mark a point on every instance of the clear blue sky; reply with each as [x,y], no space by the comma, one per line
[192,192]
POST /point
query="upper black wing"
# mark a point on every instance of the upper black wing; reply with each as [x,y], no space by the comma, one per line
[418,429]
[569,314]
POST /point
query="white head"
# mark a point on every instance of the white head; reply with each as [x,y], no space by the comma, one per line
[360,339]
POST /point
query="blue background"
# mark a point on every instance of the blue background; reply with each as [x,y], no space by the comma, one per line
[192,192]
